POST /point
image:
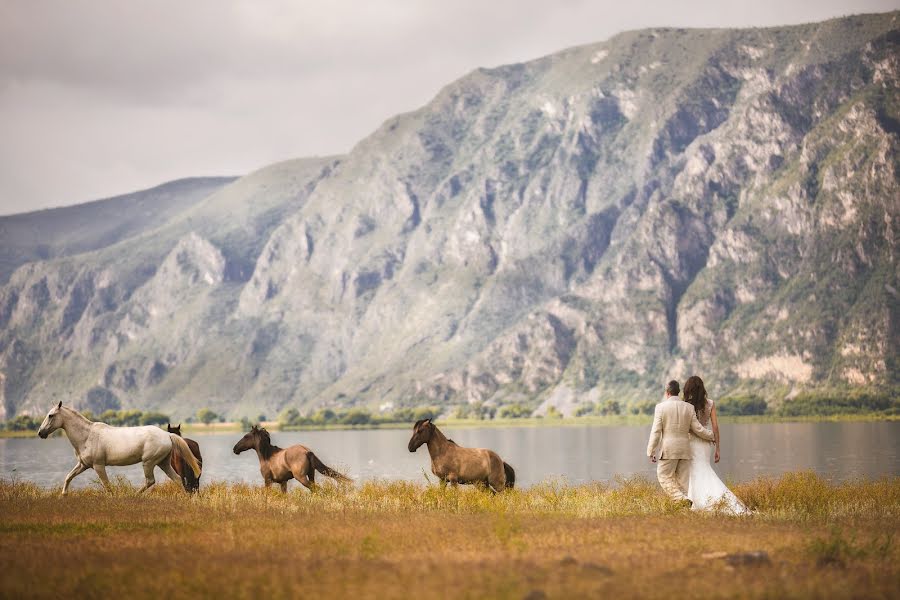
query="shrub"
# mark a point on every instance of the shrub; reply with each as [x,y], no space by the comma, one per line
[839,402]
[356,416]
[23,423]
[741,405]
[206,416]
[645,407]
[288,417]
[153,418]
[514,411]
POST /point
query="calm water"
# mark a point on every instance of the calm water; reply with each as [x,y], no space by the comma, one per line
[578,454]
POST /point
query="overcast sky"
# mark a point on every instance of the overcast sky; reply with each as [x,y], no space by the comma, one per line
[103,98]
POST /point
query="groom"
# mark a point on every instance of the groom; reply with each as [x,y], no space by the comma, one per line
[673,423]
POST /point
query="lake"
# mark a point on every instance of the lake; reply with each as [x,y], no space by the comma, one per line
[578,454]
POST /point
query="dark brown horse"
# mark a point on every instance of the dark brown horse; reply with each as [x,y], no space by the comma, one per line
[190,481]
[455,464]
[280,465]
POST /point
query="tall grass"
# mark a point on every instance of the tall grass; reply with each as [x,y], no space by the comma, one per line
[384,539]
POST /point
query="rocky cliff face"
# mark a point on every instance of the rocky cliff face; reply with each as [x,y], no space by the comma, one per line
[582,226]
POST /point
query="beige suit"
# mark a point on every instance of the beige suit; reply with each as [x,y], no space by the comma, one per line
[673,422]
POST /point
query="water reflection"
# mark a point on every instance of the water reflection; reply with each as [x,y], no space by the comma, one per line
[576,454]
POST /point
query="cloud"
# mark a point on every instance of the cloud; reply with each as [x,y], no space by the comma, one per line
[99,98]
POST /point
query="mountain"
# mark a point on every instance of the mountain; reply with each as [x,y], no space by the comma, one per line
[81,228]
[578,227]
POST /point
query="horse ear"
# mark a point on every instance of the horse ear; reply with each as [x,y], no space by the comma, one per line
[59,405]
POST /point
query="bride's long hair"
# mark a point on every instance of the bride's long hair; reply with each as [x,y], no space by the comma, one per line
[695,393]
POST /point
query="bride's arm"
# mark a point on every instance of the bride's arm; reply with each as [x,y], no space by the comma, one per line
[715,425]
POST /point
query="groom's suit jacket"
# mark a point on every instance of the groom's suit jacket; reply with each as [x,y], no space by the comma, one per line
[673,422]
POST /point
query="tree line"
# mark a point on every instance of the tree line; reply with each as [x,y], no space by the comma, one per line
[811,403]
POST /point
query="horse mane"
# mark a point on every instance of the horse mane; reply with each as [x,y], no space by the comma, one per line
[76,413]
[266,449]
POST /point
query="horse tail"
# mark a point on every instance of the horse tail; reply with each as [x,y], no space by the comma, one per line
[322,468]
[510,475]
[181,447]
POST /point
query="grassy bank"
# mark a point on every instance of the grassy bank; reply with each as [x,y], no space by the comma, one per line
[404,539]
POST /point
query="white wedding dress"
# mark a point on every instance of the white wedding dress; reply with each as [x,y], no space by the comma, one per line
[705,489]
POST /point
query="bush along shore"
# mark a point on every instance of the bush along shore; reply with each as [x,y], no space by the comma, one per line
[807,538]
[841,404]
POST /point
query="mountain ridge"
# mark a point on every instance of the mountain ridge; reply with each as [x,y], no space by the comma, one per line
[551,233]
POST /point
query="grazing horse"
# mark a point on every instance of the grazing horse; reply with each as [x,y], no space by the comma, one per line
[190,481]
[453,463]
[98,445]
[280,465]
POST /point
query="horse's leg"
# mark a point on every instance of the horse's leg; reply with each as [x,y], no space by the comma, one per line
[166,466]
[305,475]
[283,485]
[454,480]
[78,470]
[149,479]
[101,473]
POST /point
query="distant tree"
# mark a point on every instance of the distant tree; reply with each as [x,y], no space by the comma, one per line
[514,411]
[741,405]
[585,409]
[154,418]
[206,416]
[289,416]
[425,412]
[611,407]
[403,415]
[130,418]
[110,417]
[23,423]
[356,416]
[645,407]
[245,424]
[261,418]
[324,416]
[553,413]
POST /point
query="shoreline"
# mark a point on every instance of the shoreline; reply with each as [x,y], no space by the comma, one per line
[588,421]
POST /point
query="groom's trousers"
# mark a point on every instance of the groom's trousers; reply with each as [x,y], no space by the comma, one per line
[674,475]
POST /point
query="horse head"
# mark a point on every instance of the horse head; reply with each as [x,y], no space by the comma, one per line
[176,429]
[422,432]
[52,421]
[250,439]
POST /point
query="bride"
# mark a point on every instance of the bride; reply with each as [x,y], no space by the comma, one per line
[705,489]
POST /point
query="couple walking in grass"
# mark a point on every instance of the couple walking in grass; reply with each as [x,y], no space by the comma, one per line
[682,438]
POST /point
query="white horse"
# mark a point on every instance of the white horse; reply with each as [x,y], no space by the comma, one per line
[98,445]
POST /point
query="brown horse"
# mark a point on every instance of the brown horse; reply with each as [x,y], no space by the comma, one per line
[280,465]
[453,463]
[190,482]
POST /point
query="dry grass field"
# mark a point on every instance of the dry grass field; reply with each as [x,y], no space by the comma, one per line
[402,540]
